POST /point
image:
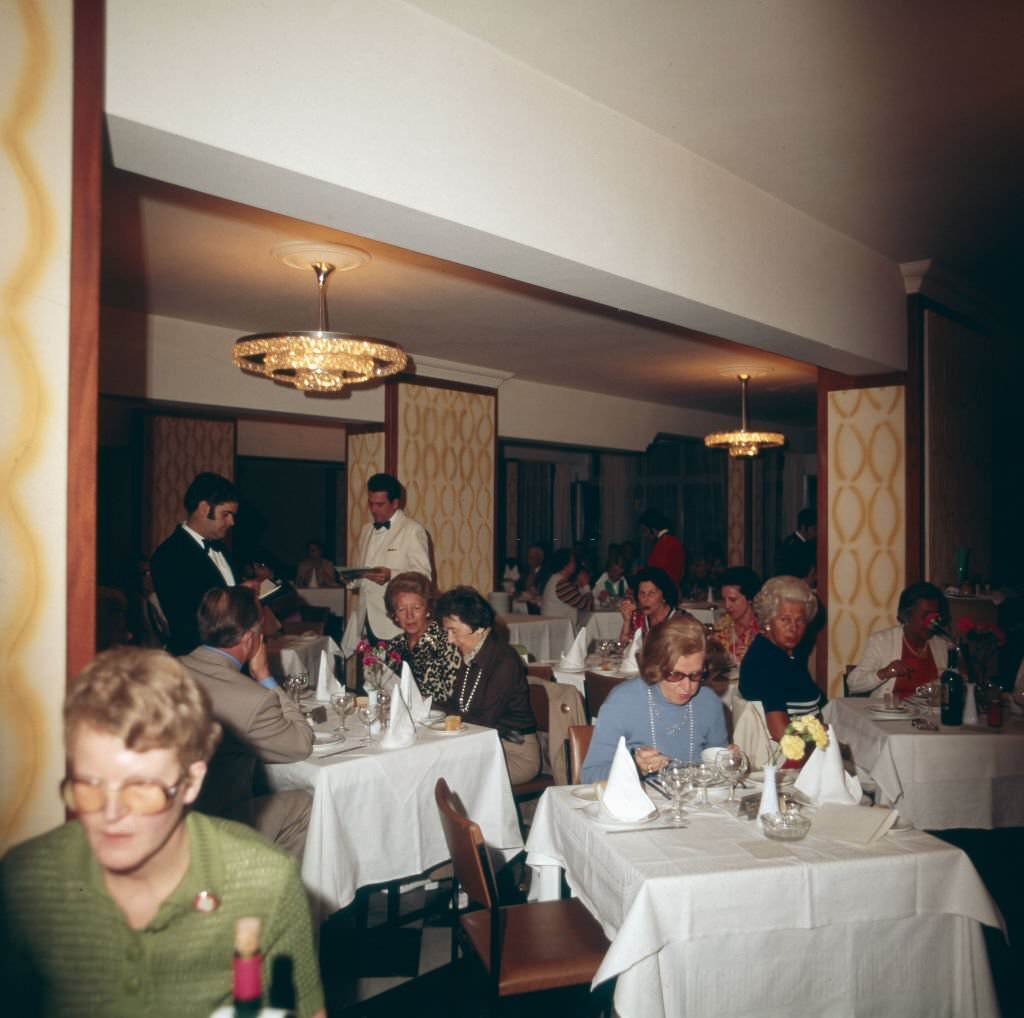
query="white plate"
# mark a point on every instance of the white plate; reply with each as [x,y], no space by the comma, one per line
[602,819]
[786,777]
[433,717]
[890,713]
[327,738]
[587,792]
[438,726]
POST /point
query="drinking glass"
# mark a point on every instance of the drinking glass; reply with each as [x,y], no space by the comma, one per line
[369,715]
[343,703]
[294,686]
[702,775]
[732,764]
[675,779]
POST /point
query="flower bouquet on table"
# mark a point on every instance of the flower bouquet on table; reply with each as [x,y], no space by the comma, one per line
[381,664]
[803,735]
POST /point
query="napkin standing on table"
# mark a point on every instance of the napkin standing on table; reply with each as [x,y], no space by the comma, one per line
[631,659]
[401,730]
[326,683]
[823,778]
[623,797]
[575,658]
[419,706]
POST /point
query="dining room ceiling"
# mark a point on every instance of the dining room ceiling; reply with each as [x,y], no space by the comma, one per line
[899,125]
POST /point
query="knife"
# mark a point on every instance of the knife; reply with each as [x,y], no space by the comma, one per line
[656,827]
[338,752]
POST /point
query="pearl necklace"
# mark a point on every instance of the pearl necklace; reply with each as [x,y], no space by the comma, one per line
[463,700]
[652,713]
[913,650]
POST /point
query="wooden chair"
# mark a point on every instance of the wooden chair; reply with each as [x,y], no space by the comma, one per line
[579,743]
[597,687]
[543,945]
[534,788]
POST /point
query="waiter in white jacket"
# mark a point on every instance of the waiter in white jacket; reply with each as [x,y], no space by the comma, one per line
[391,543]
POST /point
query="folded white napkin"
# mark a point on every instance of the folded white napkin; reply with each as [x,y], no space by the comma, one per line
[824,780]
[575,658]
[860,824]
[326,683]
[401,730]
[631,659]
[419,706]
[623,797]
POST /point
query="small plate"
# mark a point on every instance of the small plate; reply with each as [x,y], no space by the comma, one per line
[327,738]
[438,726]
[433,717]
[603,820]
[586,792]
[786,777]
[890,713]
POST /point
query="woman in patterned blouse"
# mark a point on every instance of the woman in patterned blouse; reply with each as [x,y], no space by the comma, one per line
[422,642]
[736,629]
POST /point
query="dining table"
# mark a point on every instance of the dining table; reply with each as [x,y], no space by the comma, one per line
[602,624]
[715,920]
[299,653]
[374,819]
[545,637]
[938,779]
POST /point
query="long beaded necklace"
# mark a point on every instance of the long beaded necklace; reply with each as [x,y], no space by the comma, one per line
[463,700]
[653,712]
[913,650]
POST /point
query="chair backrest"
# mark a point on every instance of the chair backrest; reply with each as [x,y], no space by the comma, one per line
[540,705]
[597,688]
[579,743]
[470,862]
[752,736]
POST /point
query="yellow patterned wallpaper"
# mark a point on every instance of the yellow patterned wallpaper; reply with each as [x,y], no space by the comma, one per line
[178,448]
[363,458]
[867,519]
[446,462]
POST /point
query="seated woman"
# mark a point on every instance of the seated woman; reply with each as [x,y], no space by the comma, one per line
[567,591]
[132,905]
[666,712]
[532,580]
[434,661]
[900,659]
[612,582]
[490,686]
[655,601]
[770,672]
[736,629]
[315,570]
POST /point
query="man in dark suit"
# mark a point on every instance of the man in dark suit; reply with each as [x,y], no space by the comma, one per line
[798,553]
[192,560]
[261,724]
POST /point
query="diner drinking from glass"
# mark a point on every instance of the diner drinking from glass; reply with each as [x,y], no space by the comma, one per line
[654,602]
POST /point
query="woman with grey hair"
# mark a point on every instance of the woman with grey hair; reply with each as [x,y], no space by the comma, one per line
[770,672]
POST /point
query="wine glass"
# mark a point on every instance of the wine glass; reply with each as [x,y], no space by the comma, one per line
[732,764]
[369,714]
[343,703]
[702,775]
[675,778]
[294,686]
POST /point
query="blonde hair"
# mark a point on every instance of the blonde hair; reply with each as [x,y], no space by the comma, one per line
[147,699]
[667,642]
[768,601]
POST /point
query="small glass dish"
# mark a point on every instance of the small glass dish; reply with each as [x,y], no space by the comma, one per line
[785,826]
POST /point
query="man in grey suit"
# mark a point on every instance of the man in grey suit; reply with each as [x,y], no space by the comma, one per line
[261,724]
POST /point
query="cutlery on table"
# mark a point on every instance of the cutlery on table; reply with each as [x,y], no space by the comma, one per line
[648,827]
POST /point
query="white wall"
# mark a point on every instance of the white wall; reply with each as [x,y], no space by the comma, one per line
[394,125]
[290,440]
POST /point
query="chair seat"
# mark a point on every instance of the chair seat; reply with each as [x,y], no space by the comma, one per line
[532,787]
[545,945]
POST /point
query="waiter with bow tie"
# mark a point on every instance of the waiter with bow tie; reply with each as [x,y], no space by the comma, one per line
[192,560]
[391,543]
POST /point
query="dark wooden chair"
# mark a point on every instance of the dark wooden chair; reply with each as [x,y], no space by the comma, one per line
[597,687]
[527,948]
[579,743]
[534,788]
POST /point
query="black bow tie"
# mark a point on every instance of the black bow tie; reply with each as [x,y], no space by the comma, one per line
[386,525]
[213,545]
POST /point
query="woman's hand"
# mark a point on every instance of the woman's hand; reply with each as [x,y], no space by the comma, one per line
[626,608]
[648,759]
[893,670]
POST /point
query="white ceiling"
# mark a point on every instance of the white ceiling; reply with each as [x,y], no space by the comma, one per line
[899,124]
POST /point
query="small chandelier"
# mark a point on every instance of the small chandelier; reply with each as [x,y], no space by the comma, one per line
[318,361]
[744,442]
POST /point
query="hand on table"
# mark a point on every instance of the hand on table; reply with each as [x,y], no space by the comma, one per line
[648,760]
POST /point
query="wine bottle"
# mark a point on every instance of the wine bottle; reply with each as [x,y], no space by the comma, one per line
[952,711]
[247,968]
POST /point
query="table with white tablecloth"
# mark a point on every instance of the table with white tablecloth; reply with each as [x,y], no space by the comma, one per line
[374,818]
[699,926]
[545,637]
[289,655]
[602,625]
[970,776]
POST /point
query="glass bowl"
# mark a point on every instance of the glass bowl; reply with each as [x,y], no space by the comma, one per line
[785,826]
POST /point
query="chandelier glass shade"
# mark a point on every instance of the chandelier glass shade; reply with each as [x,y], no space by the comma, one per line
[744,442]
[318,360]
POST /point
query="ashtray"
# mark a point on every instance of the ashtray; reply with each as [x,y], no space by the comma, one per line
[785,826]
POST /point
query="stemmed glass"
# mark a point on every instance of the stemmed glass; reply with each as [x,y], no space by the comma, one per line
[732,764]
[675,778]
[702,775]
[295,686]
[344,703]
[369,714]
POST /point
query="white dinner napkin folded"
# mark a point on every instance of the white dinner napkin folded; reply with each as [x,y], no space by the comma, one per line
[823,779]
[575,658]
[861,825]
[623,797]
[419,706]
[631,659]
[401,730]
[326,683]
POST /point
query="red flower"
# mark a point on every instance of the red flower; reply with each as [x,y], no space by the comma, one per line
[965,625]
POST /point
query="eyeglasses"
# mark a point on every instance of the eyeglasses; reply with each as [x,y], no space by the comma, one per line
[687,676]
[144,798]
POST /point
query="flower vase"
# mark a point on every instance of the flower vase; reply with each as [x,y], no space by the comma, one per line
[373,676]
[970,704]
[769,794]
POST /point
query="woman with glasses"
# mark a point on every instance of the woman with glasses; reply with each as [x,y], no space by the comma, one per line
[771,671]
[665,713]
[131,905]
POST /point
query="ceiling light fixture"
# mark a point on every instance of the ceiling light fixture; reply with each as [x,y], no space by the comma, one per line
[318,361]
[744,442]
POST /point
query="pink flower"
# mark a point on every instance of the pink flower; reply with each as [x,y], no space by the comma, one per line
[369,660]
[362,647]
[393,655]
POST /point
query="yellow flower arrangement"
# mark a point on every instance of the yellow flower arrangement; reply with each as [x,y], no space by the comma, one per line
[800,735]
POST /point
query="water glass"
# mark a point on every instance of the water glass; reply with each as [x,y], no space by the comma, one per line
[369,716]
[702,775]
[732,764]
[675,779]
[344,703]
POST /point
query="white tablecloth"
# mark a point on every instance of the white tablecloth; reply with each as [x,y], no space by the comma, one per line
[324,597]
[603,625]
[374,817]
[288,655]
[545,637]
[971,776]
[699,926]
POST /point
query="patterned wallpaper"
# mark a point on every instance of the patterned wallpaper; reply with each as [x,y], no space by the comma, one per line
[178,448]
[446,460]
[736,550]
[958,448]
[364,458]
[867,519]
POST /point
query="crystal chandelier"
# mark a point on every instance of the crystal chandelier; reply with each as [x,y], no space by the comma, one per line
[744,442]
[318,361]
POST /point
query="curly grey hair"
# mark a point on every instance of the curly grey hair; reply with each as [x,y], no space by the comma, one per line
[768,600]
